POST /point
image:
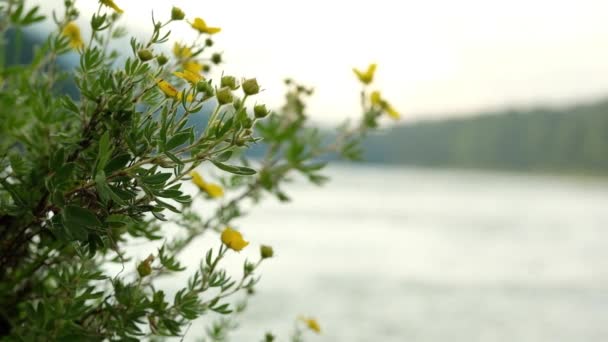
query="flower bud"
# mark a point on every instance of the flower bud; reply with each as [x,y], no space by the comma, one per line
[248,268]
[230,82]
[224,95]
[260,111]
[162,59]
[269,337]
[144,268]
[266,252]
[209,42]
[97,21]
[177,13]
[204,87]
[237,103]
[145,55]
[216,58]
[251,87]
[247,123]
[206,67]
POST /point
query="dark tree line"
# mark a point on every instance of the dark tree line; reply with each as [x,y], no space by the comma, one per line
[573,139]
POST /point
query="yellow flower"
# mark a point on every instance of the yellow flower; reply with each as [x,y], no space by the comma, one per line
[368,76]
[189,98]
[192,77]
[201,26]
[211,189]
[392,112]
[112,5]
[377,100]
[72,32]
[233,239]
[312,324]
[167,88]
[193,66]
[181,51]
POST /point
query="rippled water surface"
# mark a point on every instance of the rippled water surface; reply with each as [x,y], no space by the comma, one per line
[394,254]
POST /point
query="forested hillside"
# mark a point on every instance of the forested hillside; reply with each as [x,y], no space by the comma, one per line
[573,139]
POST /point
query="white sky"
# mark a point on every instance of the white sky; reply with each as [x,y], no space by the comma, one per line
[435,57]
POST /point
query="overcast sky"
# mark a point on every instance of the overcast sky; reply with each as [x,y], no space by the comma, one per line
[435,57]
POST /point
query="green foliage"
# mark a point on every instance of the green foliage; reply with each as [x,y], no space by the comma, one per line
[84,179]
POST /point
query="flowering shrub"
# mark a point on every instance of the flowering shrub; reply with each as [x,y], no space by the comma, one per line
[83,178]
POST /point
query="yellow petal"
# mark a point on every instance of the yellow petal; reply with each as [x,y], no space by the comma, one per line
[112,5]
[72,32]
[193,66]
[376,98]
[201,26]
[192,77]
[181,51]
[213,30]
[167,88]
[189,98]
[368,76]
[214,190]
[312,324]
[197,179]
[233,239]
[392,112]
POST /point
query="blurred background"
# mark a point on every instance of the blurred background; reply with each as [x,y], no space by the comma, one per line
[481,216]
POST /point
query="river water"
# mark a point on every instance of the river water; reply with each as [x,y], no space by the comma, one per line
[397,254]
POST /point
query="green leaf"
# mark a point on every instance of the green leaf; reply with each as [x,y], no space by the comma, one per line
[104,151]
[117,163]
[158,178]
[57,159]
[238,170]
[224,156]
[32,17]
[14,193]
[174,158]
[117,220]
[64,172]
[80,216]
[177,140]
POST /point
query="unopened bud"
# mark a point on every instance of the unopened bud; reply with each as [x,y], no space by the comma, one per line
[177,13]
[162,59]
[209,42]
[144,268]
[237,103]
[97,21]
[204,87]
[224,95]
[251,87]
[230,82]
[260,111]
[145,55]
[216,58]
[266,252]
[247,123]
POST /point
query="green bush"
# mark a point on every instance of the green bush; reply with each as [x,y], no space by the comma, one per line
[84,178]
